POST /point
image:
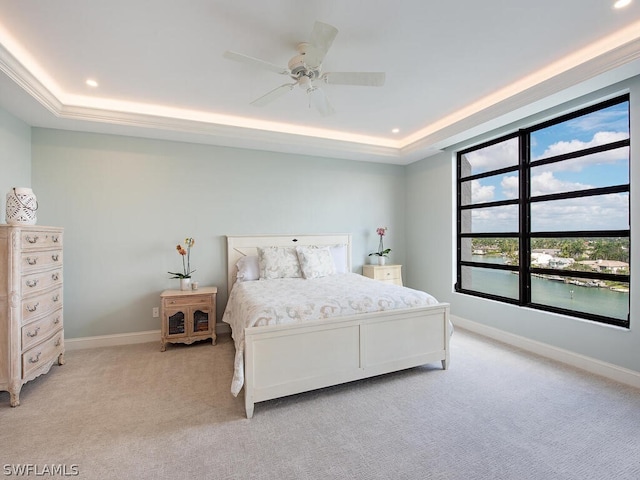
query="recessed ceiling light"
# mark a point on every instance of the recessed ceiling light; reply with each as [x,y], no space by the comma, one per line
[621,3]
[91,83]
[395,130]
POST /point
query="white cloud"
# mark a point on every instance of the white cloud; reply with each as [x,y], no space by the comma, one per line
[545,183]
[602,212]
[503,154]
[599,138]
[587,213]
[481,193]
[495,219]
[616,117]
[510,186]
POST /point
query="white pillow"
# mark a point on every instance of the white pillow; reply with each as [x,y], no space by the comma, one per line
[339,254]
[278,262]
[248,269]
[316,262]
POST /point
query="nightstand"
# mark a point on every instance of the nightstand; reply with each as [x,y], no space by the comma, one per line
[384,273]
[188,316]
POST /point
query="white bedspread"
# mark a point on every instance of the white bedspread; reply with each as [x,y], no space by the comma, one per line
[289,300]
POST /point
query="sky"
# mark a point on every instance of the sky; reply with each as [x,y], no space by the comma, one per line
[598,170]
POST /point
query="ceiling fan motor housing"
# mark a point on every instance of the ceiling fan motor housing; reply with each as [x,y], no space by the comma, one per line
[297,65]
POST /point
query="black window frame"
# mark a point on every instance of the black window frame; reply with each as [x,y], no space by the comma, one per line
[524,235]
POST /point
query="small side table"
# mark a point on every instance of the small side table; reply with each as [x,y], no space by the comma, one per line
[384,273]
[188,316]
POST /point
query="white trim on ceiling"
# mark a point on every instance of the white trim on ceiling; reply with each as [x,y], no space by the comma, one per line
[518,100]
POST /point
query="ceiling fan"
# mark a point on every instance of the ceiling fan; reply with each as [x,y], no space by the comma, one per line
[305,69]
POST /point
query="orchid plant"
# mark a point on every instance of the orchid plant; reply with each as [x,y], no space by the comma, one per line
[186,259]
[382,252]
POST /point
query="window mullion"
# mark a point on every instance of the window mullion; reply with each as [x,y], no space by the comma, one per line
[524,220]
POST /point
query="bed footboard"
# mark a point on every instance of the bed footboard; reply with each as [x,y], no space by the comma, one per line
[288,359]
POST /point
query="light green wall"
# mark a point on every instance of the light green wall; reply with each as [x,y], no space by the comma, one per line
[126,202]
[431,248]
[15,156]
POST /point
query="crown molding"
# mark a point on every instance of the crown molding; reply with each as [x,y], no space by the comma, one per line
[22,77]
[599,72]
[192,128]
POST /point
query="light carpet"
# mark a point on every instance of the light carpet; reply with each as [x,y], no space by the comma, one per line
[497,413]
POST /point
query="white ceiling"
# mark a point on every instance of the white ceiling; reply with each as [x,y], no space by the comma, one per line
[453,68]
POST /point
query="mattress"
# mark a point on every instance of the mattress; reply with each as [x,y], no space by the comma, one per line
[290,300]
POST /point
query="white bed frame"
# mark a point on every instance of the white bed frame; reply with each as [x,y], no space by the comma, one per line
[282,360]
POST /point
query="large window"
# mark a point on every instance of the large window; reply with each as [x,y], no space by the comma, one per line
[543,215]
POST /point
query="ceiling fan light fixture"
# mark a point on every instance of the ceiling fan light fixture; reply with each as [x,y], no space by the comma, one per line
[304,82]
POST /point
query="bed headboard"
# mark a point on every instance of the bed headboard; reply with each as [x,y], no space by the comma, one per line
[240,246]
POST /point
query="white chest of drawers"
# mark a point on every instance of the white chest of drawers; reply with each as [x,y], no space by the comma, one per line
[31,324]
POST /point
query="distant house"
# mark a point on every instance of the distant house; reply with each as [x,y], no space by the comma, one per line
[546,258]
[540,258]
[559,262]
[606,265]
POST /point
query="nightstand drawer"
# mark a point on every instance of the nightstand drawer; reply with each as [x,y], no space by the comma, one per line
[189,300]
[384,273]
[387,273]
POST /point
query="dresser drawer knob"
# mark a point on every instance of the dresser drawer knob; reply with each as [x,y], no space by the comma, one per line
[33,333]
[56,321]
[35,359]
[55,238]
[33,308]
[55,276]
[55,298]
[55,257]
[32,261]
[32,239]
[32,283]
[58,342]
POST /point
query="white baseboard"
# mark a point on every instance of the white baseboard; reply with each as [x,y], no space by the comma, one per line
[124,338]
[591,365]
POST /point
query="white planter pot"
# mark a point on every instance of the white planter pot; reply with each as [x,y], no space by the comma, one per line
[382,260]
[185,284]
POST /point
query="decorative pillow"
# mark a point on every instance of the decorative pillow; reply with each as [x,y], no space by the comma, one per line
[278,262]
[316,262]
[248,269]
[339,254]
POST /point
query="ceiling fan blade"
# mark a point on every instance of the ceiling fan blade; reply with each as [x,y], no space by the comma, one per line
[322,38]
[367,79]
[319,100]
[256,62]
[273,94]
